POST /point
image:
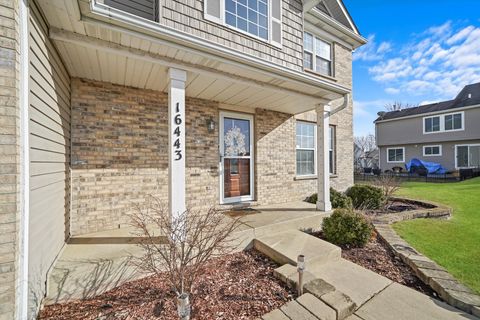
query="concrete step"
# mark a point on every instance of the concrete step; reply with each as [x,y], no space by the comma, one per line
[358,283]
[284,247]
[294,310]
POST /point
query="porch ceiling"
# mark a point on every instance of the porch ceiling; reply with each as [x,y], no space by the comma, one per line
[104,52]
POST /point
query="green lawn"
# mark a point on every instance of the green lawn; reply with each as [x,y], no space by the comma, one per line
[454,244]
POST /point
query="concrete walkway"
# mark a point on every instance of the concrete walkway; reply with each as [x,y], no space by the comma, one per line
[342,289]
[91,264]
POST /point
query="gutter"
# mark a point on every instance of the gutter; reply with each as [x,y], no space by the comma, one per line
[153,31]
[346,100]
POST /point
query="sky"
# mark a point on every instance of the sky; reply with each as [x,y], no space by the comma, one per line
[419,52]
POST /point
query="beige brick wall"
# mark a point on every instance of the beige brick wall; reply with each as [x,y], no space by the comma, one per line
[187,16]
[120,135]
[9,155]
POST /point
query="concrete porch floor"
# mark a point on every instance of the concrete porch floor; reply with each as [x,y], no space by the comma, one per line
[93,263]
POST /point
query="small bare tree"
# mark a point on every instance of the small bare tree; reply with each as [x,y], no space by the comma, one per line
[180,246]
[389,185]
[398,105]
[367,146]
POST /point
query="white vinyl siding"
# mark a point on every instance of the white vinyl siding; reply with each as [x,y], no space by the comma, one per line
[396,155]
[49,133]
[432,151]
[317,54]
[444,123]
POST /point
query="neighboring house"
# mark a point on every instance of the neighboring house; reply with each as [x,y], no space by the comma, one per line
[365,159]
[447,132]
[199,102]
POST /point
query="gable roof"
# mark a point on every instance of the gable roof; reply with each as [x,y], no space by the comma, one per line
[334,9]
[469,96]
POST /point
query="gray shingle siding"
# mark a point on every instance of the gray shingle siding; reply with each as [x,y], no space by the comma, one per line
[187,16]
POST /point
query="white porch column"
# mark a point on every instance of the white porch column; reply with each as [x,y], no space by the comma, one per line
[323,158]
[176,138]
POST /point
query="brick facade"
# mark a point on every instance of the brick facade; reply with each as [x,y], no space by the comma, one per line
[120,155]
[9,156]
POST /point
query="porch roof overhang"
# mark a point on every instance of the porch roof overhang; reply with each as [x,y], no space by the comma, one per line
[105,44]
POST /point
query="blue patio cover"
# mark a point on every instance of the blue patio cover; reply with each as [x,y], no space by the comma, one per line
[431,167]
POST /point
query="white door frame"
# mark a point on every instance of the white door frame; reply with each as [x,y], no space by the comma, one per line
[242,116]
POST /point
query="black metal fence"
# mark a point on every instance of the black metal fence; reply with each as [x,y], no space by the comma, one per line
[461,175]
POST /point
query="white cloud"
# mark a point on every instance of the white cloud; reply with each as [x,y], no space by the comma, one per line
[372,51]
[391,90]
[438,62]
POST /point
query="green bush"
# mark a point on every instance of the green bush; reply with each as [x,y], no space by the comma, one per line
[366,197]
[346,227]
[338,199]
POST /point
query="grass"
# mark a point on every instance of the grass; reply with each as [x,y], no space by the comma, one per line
[454,244]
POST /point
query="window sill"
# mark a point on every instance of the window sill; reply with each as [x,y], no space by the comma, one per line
[320,75]
[312,177]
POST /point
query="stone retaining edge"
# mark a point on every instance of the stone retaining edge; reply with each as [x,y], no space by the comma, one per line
[437,211]
[442,282]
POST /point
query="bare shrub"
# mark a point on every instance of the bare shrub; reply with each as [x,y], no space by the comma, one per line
[181,245]
[389,185]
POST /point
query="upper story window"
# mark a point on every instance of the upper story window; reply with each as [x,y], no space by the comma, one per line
[248,15]
[317,54]
[444,122]
[261,19]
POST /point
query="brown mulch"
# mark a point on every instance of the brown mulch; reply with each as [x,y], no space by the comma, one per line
[394,206]
[235,286]
[379,258]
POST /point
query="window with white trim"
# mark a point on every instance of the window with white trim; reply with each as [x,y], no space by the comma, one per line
[261,19]
[248,15]
[468,156]
[306,143]
[432,151]
[443,123]
[395,155]
[317,54]
[331,148]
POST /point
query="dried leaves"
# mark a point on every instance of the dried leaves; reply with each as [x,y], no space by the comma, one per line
[235,286]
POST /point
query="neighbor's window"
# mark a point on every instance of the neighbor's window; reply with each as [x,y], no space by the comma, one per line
[453,121]
[305,148]
[331,148]
[432,124]
[396,155]
[430,151]
[248,15]
[468,156]
[317,54]
[444,122]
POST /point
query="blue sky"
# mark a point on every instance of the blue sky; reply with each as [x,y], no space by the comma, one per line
[419,51]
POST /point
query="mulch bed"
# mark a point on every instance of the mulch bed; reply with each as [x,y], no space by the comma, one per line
[235,286]
[395,206]
[379,258]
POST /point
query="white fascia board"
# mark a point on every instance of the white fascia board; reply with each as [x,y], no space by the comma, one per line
[153,31]
[309,5]
[356,39]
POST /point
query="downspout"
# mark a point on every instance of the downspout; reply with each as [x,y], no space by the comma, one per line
[22,281]
[346,100]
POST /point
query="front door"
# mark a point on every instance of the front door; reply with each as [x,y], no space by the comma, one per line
[236,157]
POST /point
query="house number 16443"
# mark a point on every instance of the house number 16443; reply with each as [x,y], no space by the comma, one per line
[176,133]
